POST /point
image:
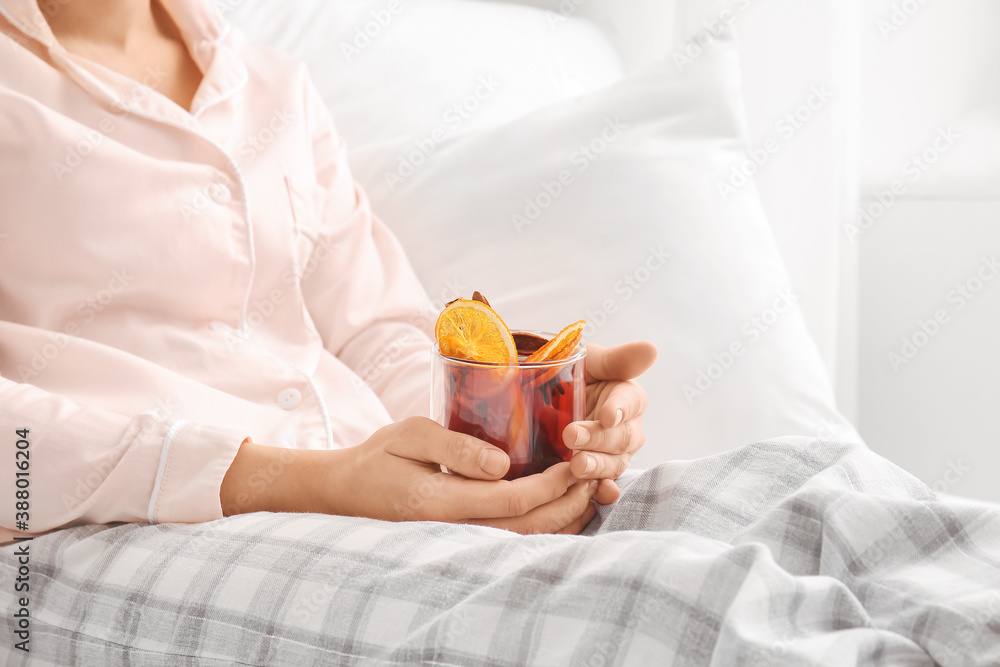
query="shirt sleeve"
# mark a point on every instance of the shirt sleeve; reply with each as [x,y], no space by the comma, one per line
[359,287]
[88,465]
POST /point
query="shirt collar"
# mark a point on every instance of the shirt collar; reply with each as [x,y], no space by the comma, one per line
[204,31]
[27,17]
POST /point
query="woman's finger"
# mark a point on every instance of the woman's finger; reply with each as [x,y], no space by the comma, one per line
[624,401]
[623,362]
[589,436]
[607,492]
[597,465]
[551,517]
[459,499]
[577,526]
[424,440]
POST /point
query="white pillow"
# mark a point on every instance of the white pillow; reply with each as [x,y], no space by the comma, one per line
[487,211]
[428,68]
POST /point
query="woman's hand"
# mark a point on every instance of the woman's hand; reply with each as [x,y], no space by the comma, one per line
[605,442]
[395,475]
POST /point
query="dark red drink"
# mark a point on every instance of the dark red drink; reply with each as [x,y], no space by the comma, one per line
[521,409]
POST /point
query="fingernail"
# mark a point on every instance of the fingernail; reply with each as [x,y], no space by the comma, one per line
[493,462]
[582,437]
[618,417]
[591,465]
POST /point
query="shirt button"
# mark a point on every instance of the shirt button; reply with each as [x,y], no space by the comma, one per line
[220,193]
[289,399]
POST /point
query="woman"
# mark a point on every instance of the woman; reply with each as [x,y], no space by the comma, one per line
[191,287]
[192,283]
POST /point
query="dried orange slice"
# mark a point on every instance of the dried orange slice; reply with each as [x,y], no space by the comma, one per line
[468,329]
[561,346]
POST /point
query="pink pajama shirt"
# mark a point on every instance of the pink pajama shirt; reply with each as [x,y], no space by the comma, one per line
[174,281]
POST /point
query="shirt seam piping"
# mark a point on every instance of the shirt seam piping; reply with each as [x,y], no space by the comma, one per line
[221,97]
[313,387]
[161,471]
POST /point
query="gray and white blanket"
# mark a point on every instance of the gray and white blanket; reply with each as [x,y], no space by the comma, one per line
[789,552]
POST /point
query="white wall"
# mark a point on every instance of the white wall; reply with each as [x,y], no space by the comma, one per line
[937,414]
[640,29]
[935,407]
[941,67]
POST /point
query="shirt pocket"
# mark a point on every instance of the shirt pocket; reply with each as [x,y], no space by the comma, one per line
[306,199]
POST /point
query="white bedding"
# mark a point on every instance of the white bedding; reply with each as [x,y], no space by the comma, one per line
[794,552]
[405,68]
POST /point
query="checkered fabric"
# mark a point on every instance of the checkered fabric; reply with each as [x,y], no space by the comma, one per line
[788,552]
